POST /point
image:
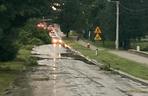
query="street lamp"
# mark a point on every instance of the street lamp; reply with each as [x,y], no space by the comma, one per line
[117,23]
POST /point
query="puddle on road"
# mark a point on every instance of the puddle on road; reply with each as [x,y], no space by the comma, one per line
[68,55]
[49,77]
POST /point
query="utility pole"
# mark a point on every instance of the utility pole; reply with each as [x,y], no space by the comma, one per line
[117,23]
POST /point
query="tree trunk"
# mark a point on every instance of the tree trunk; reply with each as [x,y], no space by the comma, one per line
[126,44]
[67,34]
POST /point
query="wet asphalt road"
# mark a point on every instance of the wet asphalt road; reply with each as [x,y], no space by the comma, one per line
[59,75]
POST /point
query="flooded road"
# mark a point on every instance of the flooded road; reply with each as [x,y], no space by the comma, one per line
[65,75]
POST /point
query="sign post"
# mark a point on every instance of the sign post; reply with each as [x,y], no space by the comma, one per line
[97,36]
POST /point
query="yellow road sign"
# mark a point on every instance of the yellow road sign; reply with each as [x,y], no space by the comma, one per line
[97,30]
[97,37]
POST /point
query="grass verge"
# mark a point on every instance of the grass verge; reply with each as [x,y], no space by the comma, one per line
[116,62]
[10,70]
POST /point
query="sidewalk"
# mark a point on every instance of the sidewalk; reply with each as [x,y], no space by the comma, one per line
[130,56]
[123,54]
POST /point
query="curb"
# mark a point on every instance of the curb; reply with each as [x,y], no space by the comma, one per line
[126,75]
[141,53]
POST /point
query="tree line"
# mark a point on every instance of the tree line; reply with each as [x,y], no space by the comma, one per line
[84,15]
[18,20]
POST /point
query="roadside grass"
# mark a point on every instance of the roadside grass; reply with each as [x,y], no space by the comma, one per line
[103,44]
[116,62]
[10,70]
[143,45]
[23,54]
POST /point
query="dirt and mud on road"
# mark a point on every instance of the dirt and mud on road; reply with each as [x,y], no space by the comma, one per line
[69,75]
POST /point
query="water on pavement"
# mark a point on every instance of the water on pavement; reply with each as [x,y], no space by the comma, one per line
[66,75]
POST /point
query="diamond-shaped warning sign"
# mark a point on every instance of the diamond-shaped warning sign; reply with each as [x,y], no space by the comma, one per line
[97,30]
[97,37]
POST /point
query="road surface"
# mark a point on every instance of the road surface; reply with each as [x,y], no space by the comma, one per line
[71,75]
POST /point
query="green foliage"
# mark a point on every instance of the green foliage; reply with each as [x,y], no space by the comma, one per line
[69,15]
[133,21]
[9,71]
[105,67]
[6,79]
[8,51]
[13,15]
[143,45]
[24,55]
[31,61]
[105,44]
[29,34]
[3,8]
[85,15]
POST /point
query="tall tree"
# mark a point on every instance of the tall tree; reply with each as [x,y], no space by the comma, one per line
[133,22]
[69,15]
[85,15]
[13,14]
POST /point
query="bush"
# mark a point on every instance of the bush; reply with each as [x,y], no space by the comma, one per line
[31,61]
[29,34]
[105,67]
[5,68]
[143,45]
[28,47]
[8,51]
[35,41]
